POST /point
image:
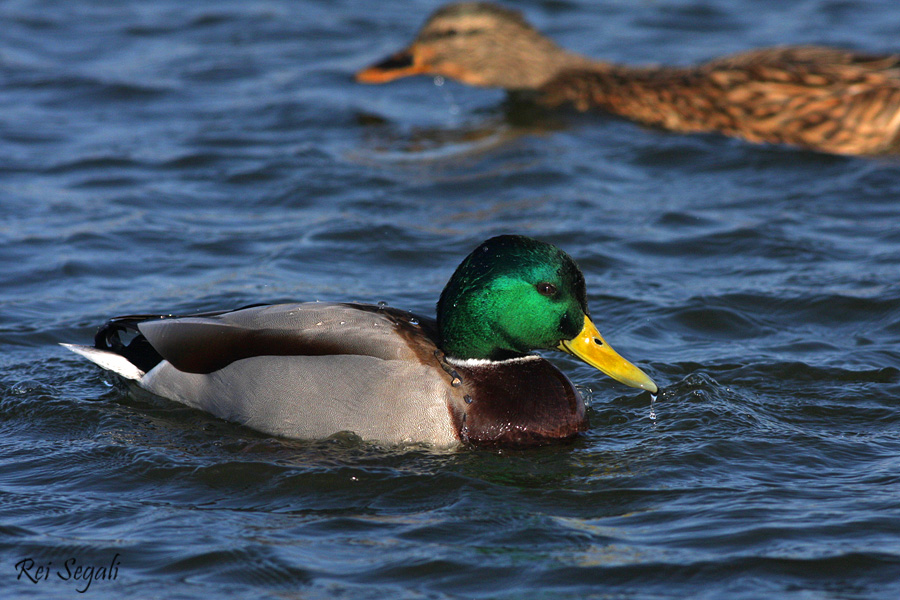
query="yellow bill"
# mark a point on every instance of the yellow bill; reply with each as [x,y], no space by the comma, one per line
[590,347]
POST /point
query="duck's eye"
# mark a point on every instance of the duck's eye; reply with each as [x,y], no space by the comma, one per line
[448,33]
[439,34]
[546,289]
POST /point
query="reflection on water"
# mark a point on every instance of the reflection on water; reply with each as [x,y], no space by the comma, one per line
[390,142]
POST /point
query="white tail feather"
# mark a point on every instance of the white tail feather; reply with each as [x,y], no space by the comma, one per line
[108,360]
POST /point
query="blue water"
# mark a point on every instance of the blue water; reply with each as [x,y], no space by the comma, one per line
[173,156]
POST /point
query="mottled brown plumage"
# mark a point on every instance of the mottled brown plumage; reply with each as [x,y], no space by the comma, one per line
[820,98]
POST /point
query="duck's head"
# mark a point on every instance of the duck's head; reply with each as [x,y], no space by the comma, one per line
[512,295]
[477,43]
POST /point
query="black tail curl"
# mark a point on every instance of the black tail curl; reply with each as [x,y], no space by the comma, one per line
[137,350]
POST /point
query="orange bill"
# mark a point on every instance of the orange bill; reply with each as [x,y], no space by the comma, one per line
[395,66]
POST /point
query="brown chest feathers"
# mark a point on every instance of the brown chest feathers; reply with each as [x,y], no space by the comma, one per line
[520,402]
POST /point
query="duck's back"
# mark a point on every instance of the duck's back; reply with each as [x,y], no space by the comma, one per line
[308,371]
[814,97]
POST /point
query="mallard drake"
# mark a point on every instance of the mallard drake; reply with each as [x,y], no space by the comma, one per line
[311,370]
[814,97]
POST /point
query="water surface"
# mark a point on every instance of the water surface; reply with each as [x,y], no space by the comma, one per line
[172,156]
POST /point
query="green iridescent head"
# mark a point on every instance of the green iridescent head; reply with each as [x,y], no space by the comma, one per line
[514,294]
[511,295]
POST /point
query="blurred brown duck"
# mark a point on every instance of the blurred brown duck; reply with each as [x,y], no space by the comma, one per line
[814,97]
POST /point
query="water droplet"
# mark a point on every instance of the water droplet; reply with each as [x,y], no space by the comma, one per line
[319,324]
[342,322]
[456,382]
[587,394]
[382,305]
[445,92]
[652,412]
[468,399]
[413,321]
